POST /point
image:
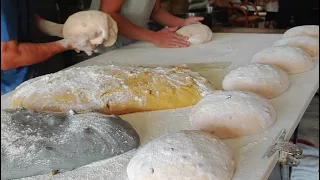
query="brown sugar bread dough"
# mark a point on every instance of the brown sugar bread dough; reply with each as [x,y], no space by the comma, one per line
[86,21]
[112,89]
[307,43]
[230,114]
[306,30]
[263,79]
[34,143]
[288,58]
[190,155]
[197,33]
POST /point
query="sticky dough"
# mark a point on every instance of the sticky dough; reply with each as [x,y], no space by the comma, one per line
[34,143]
[87,21]
[307,30]
[112,89]
[183,155]
[229,114]
[197,33]
[288,58]
[263,79]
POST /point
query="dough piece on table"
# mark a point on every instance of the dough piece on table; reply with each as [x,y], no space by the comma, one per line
[307,43]
[86,21]
[197,33]
[288,58]
[263,79]
[230,114]
[307,30]
[112,89]
[190,155]
[34,143]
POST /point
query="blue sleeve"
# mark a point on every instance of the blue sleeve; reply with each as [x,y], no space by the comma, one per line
[9,20]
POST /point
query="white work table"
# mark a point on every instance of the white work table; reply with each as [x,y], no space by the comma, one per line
[225,47]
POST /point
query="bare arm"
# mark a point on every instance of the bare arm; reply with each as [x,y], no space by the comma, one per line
[163,17]
[48,27]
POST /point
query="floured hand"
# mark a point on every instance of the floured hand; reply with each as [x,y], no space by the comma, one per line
[82,42]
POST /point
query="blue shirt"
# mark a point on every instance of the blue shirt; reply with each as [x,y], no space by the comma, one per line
[12,78]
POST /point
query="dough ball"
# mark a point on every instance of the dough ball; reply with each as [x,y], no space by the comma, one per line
[263,79]
[197,33]
[34,143]
[307,30]
[229,114]
[87,21]
[183,155]
[288,58]
[307,43]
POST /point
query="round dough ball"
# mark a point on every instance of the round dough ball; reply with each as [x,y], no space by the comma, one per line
[190,155]
[307,30]
[229,114]
[87,21]
[307,43]
[263,79]
[197,33]
[288,58]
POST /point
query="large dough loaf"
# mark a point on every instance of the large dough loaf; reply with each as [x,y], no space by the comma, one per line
[288,58]
[197,33]
[34,143]
[229,114]
[263,79]
[307,43]
[306,30]
[192,155]
[112,89]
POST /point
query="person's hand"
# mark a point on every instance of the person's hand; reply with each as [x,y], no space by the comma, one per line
[167,38]
[192,20]
[81,42]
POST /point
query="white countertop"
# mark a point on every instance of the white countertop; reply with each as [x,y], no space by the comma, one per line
[225,47]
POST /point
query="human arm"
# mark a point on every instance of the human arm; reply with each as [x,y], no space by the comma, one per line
[48,27]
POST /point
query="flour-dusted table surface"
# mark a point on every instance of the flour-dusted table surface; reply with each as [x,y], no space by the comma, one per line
[225,47]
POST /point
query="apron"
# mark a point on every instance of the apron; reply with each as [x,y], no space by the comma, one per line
[136,11]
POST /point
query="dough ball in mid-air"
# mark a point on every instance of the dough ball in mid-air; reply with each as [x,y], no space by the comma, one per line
[190,155]
[307,43]
[229,114]
[197,33]
[263,79]
[306,30]
[87,21]
[288,58]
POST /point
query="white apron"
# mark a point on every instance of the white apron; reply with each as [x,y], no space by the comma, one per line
[136,11]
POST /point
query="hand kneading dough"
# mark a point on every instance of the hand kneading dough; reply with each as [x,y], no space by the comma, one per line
[307,30]
[288,58]
[197,33]
[34,143]
[112,89]
[263,79]
[192,155]
[307,43]
[86,21]
[229,114]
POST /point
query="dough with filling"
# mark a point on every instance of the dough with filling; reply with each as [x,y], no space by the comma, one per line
[288,58]
[230,114]
[112,89]
[34,143]
[197,33]
[190,155]
[263,79]
[87,21]
[306,30]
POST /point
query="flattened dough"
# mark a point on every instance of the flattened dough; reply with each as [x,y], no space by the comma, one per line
[229,114]
[197,33]
[307,43]
[307,30]
[263,79]
[183,155]
[288,58]
[34,143]
[112,89]
[87,21]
